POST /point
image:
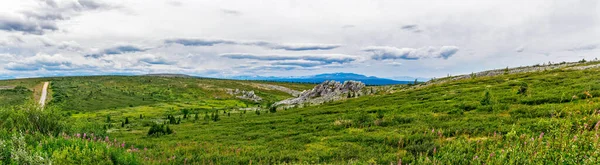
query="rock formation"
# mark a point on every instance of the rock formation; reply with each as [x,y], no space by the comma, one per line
[327,91]
[242,94]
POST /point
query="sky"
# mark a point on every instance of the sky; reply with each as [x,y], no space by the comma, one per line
[391,39]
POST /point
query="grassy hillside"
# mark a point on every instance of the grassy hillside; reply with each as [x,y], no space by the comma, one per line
[525,118]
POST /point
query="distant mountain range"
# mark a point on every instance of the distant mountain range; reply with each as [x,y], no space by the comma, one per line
[341,77]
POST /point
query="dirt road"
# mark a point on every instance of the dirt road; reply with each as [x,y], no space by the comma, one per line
[44,94]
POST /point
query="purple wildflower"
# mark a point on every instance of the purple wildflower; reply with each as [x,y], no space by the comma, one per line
[541,135]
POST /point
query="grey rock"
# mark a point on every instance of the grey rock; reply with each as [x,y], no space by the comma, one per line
[327,91]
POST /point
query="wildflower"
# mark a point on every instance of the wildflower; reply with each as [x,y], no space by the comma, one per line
[78,135]
[476,157]
[597,125]
[432,130]
[123,145]
[434,150]
[492,154]
[541,135]
[84,135]
[106,139]
[575,138]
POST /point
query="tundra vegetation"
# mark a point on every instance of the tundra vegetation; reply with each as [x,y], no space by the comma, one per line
[546,117]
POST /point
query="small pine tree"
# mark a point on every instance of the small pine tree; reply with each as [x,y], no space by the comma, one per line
[185,113]
[216,117]
[122,124]
[127,120]
[273,109]
[108,118]
[168,130]
[486,98]
[522,89]
[206,117]
[416,82]
[228,114]
[179,120]
[196,116]
[257,112]
[141,117]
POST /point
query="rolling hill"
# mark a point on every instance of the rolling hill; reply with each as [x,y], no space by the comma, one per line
[536,115]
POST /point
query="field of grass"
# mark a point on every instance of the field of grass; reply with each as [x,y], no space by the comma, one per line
[548,117]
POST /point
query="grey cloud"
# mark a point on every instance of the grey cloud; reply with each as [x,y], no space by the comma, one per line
[411,28]
[156,61]
[386,52]
[324,58]
[122,49]
[583,48]
[300,63]
[44,19]
[27,26]
[197,42]
[288,47]
[44,61]
[520,49]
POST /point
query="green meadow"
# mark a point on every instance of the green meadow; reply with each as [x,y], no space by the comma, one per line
[546,117]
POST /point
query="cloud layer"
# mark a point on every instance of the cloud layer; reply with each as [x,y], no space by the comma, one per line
[322,58]
[270,45]
[122,49]
[379,38]
[387,52]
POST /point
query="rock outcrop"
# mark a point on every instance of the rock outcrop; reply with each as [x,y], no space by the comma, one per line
[242,94]
[327,91]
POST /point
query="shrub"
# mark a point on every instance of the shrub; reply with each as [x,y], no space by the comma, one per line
[486,100]
[157,130]
[402,120]
[420,144]
[363,119]
[522,89]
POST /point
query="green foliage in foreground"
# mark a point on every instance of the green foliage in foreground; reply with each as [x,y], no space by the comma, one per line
[30,135]
[548,117]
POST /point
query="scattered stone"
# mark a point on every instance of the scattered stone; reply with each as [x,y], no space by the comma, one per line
[242,94]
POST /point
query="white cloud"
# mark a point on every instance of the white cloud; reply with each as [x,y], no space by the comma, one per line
[297,36]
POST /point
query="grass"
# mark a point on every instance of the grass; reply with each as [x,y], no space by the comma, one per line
[450,123]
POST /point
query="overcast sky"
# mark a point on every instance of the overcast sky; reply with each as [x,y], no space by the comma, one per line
[291,37]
